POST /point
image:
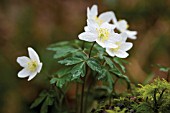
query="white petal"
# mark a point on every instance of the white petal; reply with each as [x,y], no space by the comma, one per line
[33,55]
[122,25]
[23,61]
[88,12]
[87,36]
[110,45]
[121,54]
[124,36]
[92,25]
[115,37]
[106,16]
[126,46]
[110,52]
[102,44]
[107,25]
[94,10]
[32,75]
[39,67]
[24,73]
[114,18]
[131,34]
[86,28]
[132,37]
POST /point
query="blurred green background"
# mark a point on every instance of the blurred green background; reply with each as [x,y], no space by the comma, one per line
[38,23]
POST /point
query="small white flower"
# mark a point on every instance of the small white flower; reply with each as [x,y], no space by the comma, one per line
[122,26]
[92,14]
[122,46]
[99,33]
[31,66]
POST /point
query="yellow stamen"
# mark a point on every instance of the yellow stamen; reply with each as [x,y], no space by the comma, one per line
[98,20]
[103,34]
[117,48]
[32,65]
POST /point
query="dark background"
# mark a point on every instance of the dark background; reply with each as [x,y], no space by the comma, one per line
[38,23]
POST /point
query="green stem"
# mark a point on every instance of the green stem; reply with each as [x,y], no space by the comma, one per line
[82,95]
[91,83]
[91,49]
[83,85]
[77,98]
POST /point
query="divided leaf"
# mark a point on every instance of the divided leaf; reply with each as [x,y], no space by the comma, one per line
[63,51]
[79,70]
[70,61]
[61,81]
[63,71]
[53,46]
[120,63]
[94,65]
[46,98]
[109,62]
[39,100]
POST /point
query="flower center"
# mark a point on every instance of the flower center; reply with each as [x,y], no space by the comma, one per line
[32,65]
[98,20]
[103,34]
[117,48]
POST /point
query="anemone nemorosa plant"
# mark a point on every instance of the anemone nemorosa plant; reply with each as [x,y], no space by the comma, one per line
[98,56]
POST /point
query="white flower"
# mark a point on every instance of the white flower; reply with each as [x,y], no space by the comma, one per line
[31,66]
[122,26]
[122,46]
[92,14]
[99,33]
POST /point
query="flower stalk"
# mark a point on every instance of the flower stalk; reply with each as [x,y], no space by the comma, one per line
[84,80]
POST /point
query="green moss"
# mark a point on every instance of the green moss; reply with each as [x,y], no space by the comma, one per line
[156,97]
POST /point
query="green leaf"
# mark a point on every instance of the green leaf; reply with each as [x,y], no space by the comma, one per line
[81,55]
[63,43]
[61,81]
[49,101]
[46,98]
[44,108]
[117,73]
[102,74]
[110,80]
[39,100]
[120,63]
[127,81]
[105,75]
[79,70]
[53,80]
[122,76]
[63,71]
[109,62]
[70,61]
[94,65]
[163,68]
[63,51]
